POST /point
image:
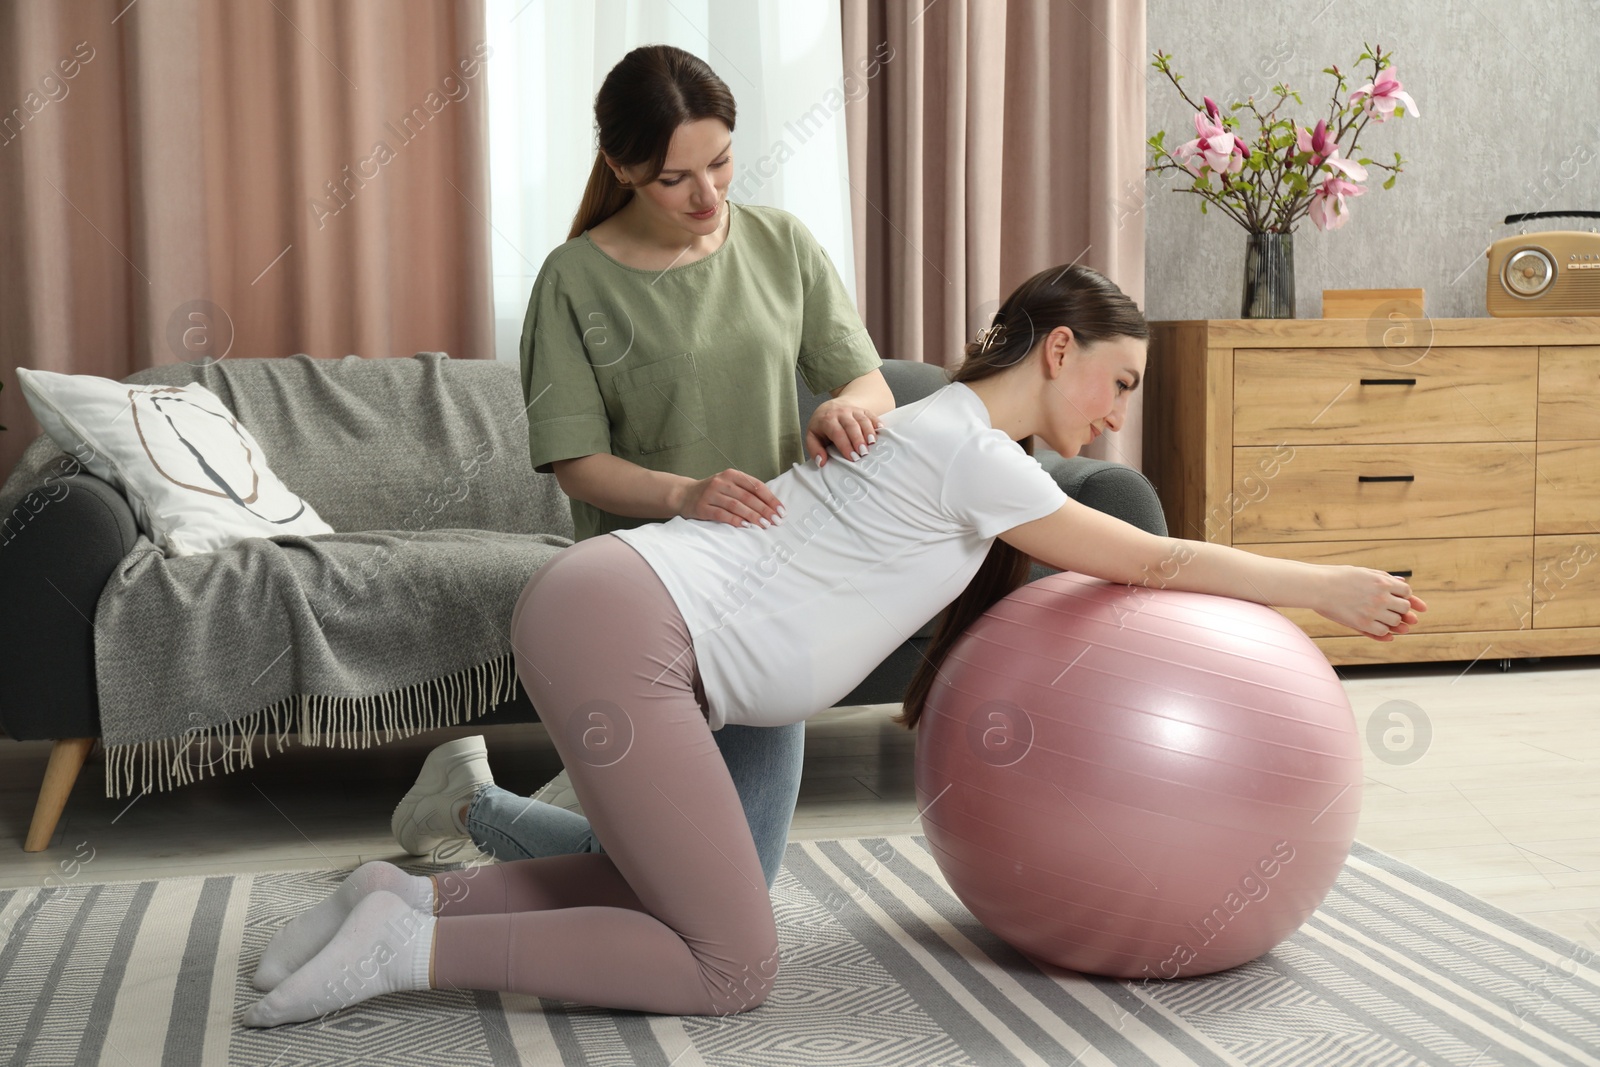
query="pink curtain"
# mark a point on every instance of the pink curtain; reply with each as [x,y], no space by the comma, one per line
[996,138]
[187,179]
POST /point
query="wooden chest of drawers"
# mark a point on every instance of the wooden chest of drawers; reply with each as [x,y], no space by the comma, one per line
[1462,453]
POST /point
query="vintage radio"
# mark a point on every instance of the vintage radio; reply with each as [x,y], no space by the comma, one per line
[1551,273]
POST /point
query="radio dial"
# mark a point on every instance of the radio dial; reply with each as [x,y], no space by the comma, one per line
[1529,272]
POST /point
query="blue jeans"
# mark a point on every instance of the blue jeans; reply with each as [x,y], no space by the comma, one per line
[763,761]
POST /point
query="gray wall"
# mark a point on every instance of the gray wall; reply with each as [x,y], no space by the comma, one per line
[1509,96]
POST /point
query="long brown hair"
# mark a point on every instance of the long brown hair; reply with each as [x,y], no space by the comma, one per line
[1087,303]
[651,91]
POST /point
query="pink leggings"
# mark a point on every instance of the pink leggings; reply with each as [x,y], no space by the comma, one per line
[674,917]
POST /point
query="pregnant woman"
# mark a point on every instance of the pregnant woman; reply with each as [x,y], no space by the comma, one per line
[636,646]
[658,369]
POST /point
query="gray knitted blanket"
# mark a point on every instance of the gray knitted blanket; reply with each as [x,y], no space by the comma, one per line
[343,639]
[396,623]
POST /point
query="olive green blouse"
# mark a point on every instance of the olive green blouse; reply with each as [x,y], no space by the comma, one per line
[690,369]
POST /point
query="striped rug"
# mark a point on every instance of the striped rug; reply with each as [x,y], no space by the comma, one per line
[881,965]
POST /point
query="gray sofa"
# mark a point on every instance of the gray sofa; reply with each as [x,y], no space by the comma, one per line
[63,532]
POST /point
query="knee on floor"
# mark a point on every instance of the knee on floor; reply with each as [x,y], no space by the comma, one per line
[745,983]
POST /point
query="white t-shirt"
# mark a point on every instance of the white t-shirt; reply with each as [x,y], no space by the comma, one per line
[789,619]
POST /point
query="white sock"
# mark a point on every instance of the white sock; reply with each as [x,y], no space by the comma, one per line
[384,946]
[305,935]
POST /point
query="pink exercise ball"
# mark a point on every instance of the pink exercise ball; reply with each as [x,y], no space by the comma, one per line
[1137,783]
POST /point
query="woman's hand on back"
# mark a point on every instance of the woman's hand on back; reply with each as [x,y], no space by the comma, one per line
[1374,602]
[848,426]
[729,496]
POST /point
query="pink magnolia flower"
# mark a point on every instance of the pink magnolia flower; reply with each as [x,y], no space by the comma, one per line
[1212,148]
[1313,141]
[1325,151]
[1328,210]
[1348,167]
[1380,96]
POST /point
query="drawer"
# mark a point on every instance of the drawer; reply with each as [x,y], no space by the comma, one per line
[1355,492]
[1470,583]
[1350,396]
[1566,582]
[1569,393]
[1569,488]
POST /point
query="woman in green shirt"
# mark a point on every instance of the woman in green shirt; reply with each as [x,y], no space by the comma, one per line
[658,368]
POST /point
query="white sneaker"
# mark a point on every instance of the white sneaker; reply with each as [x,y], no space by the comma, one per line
[558,791]
[452,773]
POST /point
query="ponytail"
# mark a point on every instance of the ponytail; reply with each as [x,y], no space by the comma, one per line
[603,197]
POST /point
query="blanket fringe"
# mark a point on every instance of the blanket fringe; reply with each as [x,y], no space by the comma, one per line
[344,722]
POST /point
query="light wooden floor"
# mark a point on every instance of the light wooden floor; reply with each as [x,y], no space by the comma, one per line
[1504,802]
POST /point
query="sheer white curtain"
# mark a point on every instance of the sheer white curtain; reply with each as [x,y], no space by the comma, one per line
[782,61]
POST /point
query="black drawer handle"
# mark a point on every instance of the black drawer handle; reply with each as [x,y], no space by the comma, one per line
[1388,381]
[1401,574]
[1386,477]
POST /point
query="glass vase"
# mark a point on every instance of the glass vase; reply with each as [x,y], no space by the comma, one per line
[1268,276]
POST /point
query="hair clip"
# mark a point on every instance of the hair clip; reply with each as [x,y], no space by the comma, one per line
[994,334]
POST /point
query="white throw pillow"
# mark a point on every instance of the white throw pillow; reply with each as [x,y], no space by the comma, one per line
[197,480]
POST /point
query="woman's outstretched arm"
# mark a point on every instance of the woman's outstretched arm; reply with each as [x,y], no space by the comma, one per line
[1079,538]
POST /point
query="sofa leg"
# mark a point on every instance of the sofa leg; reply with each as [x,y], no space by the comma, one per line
[66,760]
